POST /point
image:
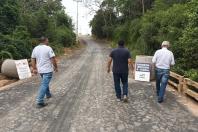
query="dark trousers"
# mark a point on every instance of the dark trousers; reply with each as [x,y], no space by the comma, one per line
[120,77]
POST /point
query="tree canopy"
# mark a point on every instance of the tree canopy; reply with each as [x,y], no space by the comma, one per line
[22,22]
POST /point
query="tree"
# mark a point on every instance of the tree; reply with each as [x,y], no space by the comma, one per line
[102,24]
[9,14]
[24,21]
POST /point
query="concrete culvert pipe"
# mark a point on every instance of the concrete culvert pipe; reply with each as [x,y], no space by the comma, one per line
[9,69]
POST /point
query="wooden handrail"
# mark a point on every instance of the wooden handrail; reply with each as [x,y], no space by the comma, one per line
[188,91]
[190,82]
[183,85]
[179,85]
[175,75]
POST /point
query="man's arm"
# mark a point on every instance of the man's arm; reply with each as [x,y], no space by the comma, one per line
[109,65]
[33,62]
[130,62]
[53,60]
[154,58]
[172,60]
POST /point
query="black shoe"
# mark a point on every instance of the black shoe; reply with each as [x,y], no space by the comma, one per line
[41,105]
[160,101]
[49,96]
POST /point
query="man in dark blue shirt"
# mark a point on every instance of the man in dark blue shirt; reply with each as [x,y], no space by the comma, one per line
[121,58]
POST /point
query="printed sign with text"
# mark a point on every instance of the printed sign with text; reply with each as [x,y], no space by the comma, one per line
[142,72]
[23,69]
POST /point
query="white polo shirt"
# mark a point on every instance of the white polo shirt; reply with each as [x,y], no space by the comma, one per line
[42,53]
[163,58]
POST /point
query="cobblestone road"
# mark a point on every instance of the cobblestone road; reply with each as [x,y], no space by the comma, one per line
[84,101]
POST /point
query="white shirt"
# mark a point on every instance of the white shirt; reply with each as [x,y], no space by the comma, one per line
[42,53]
[163,58]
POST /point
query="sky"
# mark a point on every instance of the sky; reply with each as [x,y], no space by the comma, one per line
[84,15]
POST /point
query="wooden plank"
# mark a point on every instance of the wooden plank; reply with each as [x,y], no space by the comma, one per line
[174,75]
[191,83]
[192,94]
[185,87]
[173,84]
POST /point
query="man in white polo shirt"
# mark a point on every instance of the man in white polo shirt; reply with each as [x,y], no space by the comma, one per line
[163,60]
[43,62]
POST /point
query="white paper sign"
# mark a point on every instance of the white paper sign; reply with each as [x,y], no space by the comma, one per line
[23,69]
[142,72]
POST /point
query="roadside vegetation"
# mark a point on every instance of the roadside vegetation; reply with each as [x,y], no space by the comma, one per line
[144,24]
[22,22]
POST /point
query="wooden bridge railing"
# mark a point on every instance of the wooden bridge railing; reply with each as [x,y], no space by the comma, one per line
[184,85]
[179,84]
[191,88]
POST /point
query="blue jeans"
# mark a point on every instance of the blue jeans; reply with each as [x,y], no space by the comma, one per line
[123,77]
[44,87]
[162,76]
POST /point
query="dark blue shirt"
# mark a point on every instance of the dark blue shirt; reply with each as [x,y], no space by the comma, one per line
[120,58]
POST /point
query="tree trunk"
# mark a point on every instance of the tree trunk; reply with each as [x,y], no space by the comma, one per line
[143,9]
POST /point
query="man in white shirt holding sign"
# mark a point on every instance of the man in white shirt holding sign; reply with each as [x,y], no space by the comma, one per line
[163,59]
[44,63]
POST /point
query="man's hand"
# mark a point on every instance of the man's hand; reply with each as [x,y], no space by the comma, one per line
[33,62]
[109,65]
[131,67]
[130,63]
[56,69]
[34,71]
[53,60]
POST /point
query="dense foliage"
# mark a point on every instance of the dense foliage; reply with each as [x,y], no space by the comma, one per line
[144,24]
[22,22]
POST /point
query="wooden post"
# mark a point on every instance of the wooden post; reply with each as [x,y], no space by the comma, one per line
[180,85]
[184,86]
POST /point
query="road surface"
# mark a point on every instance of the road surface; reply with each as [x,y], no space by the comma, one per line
[84,101]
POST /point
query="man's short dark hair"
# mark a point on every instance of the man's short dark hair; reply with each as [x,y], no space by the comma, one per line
[43,39]
[121,43]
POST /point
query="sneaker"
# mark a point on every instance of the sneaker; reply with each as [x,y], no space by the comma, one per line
[118,99]
[41,105]
[125,98]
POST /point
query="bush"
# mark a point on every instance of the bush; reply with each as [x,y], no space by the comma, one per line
[58,48]
[65,37]
[5,55]
[192,74]
[121,32]
[17,45]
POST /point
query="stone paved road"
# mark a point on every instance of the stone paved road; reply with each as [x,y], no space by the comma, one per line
[84,101]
